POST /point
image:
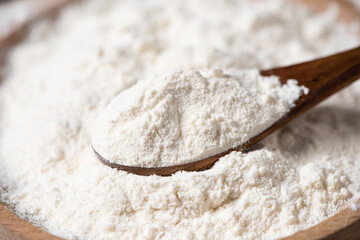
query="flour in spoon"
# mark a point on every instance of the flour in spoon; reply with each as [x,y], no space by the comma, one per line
[67,71]
[181,117]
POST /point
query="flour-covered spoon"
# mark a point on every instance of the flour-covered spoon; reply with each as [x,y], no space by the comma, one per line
[316,80]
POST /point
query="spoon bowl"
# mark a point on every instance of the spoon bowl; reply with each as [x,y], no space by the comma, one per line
[322,77]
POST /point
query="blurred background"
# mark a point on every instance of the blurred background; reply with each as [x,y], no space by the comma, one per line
[13,12]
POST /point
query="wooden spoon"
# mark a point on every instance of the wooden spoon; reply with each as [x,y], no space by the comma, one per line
[323,77]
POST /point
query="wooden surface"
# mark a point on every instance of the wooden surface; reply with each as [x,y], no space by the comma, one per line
[348,13]
[13,227]
[343,225]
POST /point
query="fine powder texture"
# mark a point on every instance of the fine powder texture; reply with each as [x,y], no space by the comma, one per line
[61,78]
[181,117]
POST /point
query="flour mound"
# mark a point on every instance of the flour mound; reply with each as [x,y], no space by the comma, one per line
[184,116]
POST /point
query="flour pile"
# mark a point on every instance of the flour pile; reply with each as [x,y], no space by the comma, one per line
[61,78]
[181,117]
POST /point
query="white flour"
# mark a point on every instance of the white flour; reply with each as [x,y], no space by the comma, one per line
[181,117]
[63,76]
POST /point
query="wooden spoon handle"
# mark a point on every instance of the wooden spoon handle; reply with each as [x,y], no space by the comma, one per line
[323,77]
